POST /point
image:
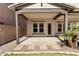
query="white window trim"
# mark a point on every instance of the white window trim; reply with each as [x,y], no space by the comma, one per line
[38,27]
[33,27]
[38,31]
[41,27]
[62,27]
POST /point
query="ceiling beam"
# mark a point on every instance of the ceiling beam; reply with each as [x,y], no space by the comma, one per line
[63,6]
[23,6]
[75,12]
[23,16]
[58,15]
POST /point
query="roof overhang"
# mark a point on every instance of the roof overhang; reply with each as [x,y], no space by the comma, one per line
[63,6]
[19,6]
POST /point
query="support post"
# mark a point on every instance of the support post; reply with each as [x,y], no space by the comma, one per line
[17,32]
[66,22]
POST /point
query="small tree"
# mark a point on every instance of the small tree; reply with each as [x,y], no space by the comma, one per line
[71,35]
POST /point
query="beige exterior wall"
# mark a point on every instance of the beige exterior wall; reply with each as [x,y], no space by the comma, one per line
[47,18]
[72,19]
[45,22]
[44,18]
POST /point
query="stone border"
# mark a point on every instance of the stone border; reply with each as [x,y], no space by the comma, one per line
[41,52]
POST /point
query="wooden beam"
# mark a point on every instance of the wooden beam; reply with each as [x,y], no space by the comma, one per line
[75,12]
[63,6]
[22,6]
[23,16]
[55,10]
[58,15]
[67,6]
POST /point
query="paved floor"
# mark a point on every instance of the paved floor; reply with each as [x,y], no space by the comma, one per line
[9,47]
[39,44]
[35,44]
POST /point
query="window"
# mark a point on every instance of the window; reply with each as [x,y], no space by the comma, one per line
[59,27]
[38,27]
[41,27]
[35,27]
[68,27]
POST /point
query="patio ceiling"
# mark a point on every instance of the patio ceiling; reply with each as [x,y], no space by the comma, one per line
[74,17]
[63,6]
[40,15]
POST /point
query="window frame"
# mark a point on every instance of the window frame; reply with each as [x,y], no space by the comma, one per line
[63,26]
[35,27]
[60,27]
[38,27]
[41,28]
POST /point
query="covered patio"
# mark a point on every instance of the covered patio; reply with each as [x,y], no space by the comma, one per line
[19,9]
[45,43]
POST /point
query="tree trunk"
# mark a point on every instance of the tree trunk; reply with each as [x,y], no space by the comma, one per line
[74,41]
[74,45]
[70,43]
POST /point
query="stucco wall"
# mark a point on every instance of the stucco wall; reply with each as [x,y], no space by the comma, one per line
[45,22]
[44,18]
[47,18]
[72,19]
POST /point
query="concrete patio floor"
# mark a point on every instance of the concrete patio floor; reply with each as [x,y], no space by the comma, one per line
[39,44]
[36,44]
